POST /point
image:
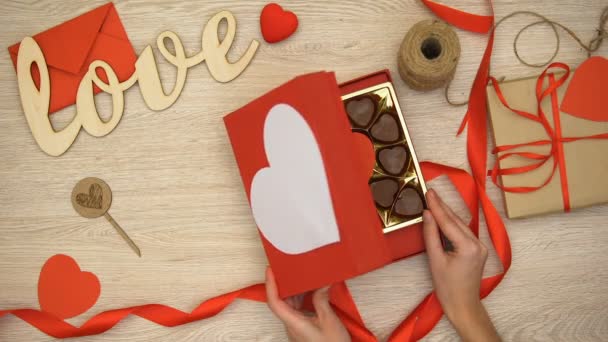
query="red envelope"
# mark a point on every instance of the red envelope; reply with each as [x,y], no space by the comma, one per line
[70,47]
[347,159]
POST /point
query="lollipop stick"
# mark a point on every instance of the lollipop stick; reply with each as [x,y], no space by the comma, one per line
[123,234]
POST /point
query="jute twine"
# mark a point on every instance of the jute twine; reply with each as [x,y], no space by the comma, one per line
[593,45]
[428,55]
[443,78]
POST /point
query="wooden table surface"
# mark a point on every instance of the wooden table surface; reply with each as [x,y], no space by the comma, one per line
[178,194]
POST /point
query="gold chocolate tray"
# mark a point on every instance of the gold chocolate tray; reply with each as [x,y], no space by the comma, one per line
[393,191]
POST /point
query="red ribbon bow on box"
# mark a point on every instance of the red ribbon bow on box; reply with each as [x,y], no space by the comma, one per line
[554,134]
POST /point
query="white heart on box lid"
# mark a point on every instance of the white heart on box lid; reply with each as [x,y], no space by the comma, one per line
[290,199]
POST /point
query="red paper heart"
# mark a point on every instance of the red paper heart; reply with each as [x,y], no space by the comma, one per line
[64,290]
[365,153]
[587,94]
[276,23]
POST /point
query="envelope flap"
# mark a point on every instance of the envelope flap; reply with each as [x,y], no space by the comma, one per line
[112,26]
[66,46]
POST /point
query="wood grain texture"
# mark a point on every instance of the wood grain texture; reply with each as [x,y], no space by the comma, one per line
[176,187]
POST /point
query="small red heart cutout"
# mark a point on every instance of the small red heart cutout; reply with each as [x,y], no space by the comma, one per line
[364,151]
[64,290]
[587,94]
[276,23]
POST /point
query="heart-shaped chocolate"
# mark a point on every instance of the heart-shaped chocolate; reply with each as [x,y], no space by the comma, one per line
[409,203]
[361,111]
[384,192]
[386,129]
[93,199]
[393,159]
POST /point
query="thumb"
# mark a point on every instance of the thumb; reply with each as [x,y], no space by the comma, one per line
[279,307]
[320,300]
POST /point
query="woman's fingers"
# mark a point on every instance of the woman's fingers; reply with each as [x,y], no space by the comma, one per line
[324,326]
[432,240]
[455,218]
[325,313]
[446,222]
[320,300]
[287,314]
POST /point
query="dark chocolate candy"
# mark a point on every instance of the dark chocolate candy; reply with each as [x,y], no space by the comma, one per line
[361,111]
[409,203]
[386,129]
[384,192]
[393,159]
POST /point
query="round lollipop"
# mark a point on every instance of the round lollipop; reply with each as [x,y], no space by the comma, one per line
[92,198]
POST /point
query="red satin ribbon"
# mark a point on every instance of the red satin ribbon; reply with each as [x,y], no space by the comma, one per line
[426,315]
[159,314]
[463,20]
[416,325]
[563,175]
[555,139]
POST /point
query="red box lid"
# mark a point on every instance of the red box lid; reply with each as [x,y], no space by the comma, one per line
[306,177]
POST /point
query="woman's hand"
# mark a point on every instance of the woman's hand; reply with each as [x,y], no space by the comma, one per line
[457,272]
[301,326]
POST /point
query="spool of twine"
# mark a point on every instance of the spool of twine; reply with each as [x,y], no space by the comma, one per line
[428,55]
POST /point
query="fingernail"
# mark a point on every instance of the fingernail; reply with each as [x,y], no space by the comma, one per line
[430,193]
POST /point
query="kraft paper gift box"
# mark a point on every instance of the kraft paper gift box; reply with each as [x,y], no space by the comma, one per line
[562,146]
[307,166]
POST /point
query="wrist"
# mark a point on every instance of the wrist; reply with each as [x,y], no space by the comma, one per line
[473,323]
[465,311]
[468,317]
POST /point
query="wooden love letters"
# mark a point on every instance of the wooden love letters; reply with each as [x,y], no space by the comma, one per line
[35,101]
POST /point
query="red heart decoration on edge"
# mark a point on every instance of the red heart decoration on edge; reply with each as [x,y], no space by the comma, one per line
[587,94]
[276,23]
[365,153]
[64,290]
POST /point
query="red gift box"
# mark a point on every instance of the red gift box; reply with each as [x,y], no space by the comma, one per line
[306,177]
